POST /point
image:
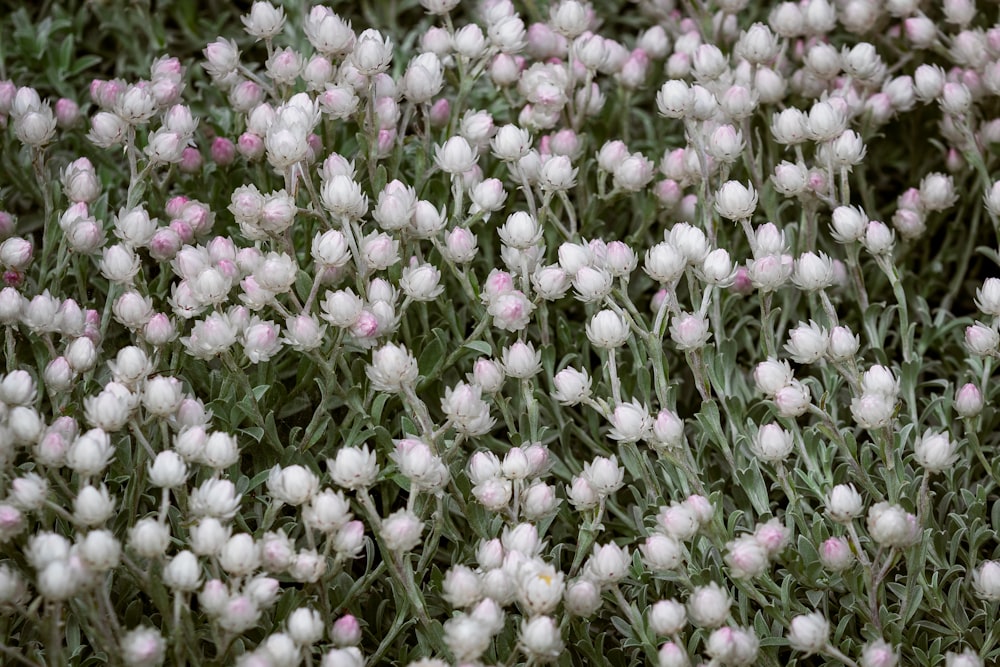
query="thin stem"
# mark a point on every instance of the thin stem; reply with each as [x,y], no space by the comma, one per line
[616,386]
[892,274]
[765,323]
[834,652]
[54,642]
[857,277]
[10,343]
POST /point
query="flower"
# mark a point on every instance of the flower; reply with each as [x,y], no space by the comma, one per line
[630,422]
[708,606]
[689,331]
[986,580]
[294,484]
[890,525]
[393,369]
[604,474]
[353,468]
[844,503]
[455,156]
[401,531]
[809,633]
[746,557]
[264,20]
[935,452]
[735,202]
[540,638]
[372,52]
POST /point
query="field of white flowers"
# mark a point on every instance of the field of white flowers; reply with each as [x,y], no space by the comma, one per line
[500,332]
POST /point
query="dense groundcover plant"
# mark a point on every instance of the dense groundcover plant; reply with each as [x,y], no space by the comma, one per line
[490,333]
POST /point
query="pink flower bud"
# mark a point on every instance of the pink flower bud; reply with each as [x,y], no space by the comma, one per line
[16,253]
[164,244]
[223,151]
[250,146]
[835,554]
[191,160]
[440,112]
[969,401]
[346,631]
[67,112]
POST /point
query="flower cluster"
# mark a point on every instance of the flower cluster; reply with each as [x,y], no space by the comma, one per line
[563,333]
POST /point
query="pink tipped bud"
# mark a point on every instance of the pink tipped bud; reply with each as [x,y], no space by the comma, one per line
[191,160]
[346,631]
[67,112]
[968,401]
[250,146]
[440,112]
[223,151]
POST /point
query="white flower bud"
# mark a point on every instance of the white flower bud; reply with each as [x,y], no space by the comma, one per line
[540,635]
[240,555]
[183,572]
[353,468]
[293,484]
[672,655]
[607,330]
[455,156]
[401,531]
[771,376]
[809,633]
[346,631]
[209,536]
[81,354]
[843,503]
[835,554]
[630,422]
[392,369]
[807,343]
[772,443]
[935,452]
[421,282]
[708,606]
[813,271]
[521,360]
[661,553]
[582,494]
[149,538]
[571,386]
[849,224]
[488,375]
[986,580]
[667,617]
[746,557]
[735,202]
[168,470]
[967,658]
[982,340]
[305,626]
[792,400]
[582,598]
[664,263]
[891,526]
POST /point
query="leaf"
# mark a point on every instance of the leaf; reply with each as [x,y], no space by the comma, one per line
[752,483]
[433,355]
[82,63]
[255,432]
[482,347]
